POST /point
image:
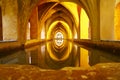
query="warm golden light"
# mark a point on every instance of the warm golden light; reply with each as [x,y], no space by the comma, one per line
[53,25]
[66,51]
[43,33]
[84,58]
[28,31]
[84,24]
[72,7]
[117,22]
[59,38]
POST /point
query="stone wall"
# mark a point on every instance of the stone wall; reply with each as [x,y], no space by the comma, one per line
[9,19]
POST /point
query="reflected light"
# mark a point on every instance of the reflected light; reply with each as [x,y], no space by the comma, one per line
[66,52]
[29,57]
[84,58]
[43,49]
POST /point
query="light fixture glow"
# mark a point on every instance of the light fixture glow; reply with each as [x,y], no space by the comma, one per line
[59,39]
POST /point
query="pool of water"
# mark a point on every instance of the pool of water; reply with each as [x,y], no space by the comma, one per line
[56,55]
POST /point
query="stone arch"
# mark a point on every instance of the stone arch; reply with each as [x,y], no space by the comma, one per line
[58,14]
[91,7]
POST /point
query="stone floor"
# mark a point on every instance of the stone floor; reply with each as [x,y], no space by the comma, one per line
[105,71]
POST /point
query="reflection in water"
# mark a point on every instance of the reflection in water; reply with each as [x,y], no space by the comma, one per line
[59,53]
[50,56]
[99,56]
[14,58]
[84,57]
[59,42]
[29,57]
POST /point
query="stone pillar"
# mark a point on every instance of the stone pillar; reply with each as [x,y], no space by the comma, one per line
[94,16]
[34,24]
[9,18]
[23,19]
[79,11]
[24,12]
[92,9]
[1,31]
[95,31]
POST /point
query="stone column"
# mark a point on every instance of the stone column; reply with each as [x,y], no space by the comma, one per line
[94,16]
[1,31]
[34,24]
[24,12]
[95,31]
[79,11]
[92,9]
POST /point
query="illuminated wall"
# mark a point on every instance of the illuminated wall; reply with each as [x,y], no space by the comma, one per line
[84,24]
[117,22]
[107,19]
[72,7]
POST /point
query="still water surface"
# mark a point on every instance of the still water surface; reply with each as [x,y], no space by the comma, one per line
[59,54]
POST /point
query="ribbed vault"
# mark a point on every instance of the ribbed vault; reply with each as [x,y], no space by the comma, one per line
[55,12]
[46,9]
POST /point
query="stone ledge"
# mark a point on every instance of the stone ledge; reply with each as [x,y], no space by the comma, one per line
[31,43]
[104,71]
[111,46]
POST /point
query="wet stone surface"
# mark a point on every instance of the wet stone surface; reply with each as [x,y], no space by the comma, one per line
[105,71]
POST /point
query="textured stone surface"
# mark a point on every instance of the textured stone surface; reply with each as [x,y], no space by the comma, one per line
[27,72]
[9,19]
[108,71]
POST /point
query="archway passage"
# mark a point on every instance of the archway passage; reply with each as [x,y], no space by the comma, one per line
[50,12]
[55,14]
[60,20]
